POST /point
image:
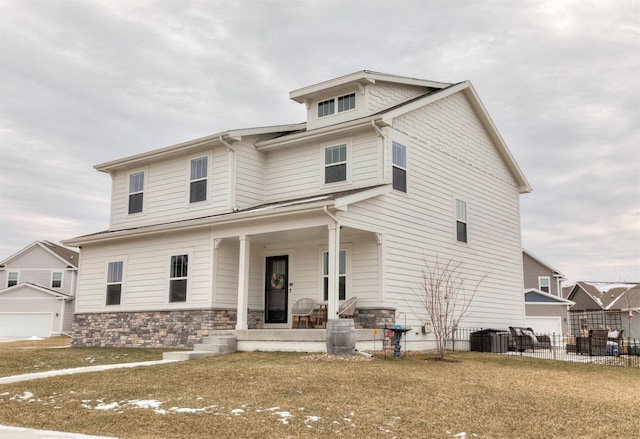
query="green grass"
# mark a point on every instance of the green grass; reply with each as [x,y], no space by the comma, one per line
[278,395]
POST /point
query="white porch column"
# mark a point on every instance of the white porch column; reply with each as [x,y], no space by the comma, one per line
[334,271]
[243,283]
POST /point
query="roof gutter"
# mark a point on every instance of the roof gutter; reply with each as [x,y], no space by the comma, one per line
[317,133]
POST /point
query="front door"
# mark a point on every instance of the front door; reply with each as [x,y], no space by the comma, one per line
[275,292]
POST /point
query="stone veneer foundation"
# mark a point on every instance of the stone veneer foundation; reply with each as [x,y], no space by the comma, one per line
[183,328]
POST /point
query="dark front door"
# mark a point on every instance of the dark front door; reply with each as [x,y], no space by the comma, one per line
[275,292]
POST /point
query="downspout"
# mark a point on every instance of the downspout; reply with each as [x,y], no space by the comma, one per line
[232,176]
[334,270]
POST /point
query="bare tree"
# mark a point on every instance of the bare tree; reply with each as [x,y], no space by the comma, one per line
[445,297]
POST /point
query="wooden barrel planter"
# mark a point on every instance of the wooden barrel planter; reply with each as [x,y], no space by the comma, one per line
[341,337]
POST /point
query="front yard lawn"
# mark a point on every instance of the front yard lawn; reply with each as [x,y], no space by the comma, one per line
[278,395]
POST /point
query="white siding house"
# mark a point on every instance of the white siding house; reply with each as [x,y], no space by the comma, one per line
[37,288]
[228,231]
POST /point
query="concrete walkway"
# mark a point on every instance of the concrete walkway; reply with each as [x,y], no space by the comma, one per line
[7,432]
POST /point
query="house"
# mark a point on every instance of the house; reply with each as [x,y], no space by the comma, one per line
[38,287]
[612,305]
[545,308]
[227,231]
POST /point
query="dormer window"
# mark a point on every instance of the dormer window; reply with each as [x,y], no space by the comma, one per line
[345,103]
[326,108]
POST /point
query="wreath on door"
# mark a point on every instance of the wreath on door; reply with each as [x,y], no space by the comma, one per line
[277,281]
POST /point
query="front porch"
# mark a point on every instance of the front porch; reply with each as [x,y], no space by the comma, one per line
[299,340]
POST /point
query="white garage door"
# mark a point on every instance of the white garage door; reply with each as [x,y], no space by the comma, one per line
[25,325]
[545,325]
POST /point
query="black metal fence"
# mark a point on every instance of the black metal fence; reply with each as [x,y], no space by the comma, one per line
[597,347]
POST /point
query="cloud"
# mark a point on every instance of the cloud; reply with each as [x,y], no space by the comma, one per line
[87,82]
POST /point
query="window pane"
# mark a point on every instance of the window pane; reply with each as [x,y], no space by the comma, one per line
[461,211]
[347,102]
[56,280]
[135,203]
[179,266]
[325,263]
[461,231]
[12,279]
[399,155]
[399,179]
[113,294]
[136,182]
[198,191]
[325,283]
[336,173]
[178,290]
[343,261]
[199,168]
[342,288]
[335,154]
[114,272]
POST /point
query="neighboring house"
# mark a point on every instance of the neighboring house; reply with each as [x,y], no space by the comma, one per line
[546,310]
[228,231]
[540,275]
[612,305]
[38,287]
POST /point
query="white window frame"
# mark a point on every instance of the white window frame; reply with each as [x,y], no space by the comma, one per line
[180,253]
[399,166]
[540,286]
[348,95]
[53,272]
[334,103]
[191,180]
[347,162]
[461,217]
[110,282]
[346,249]
[137,192]
[9,272]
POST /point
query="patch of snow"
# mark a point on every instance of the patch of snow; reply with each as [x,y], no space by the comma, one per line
[109,406]
[604,287]
[237,411]
[146,403]
[35,337]
[461,435]
[312,419]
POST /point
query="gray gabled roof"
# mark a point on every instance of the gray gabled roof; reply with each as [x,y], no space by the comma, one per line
[610,295]
[70,257]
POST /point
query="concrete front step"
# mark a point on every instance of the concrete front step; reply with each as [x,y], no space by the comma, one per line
[210,347]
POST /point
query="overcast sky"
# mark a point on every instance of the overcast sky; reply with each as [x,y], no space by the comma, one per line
[85,82]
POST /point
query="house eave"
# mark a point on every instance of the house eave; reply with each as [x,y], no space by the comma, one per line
[362,77]
[194,145]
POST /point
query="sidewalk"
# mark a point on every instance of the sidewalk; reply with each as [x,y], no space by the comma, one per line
[29,433]
[7,432]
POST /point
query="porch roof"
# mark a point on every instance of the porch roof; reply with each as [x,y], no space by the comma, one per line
[338,200]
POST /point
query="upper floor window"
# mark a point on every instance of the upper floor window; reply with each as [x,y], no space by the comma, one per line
[461,221]
[178,278]
[136,189]
[544,284]
[198,180]
[12,278]
[342,275]
[325,108]
[345,103]
[114,282]
[335,164]
[399,167]
[56,279]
